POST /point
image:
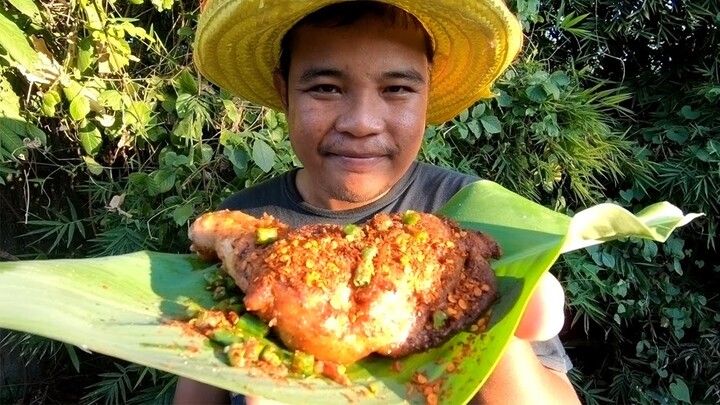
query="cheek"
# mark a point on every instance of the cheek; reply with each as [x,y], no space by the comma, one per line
[410,126]
[305,127]
[303,115]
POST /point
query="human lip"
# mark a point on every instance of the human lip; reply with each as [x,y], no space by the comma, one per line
[356,162]
[355,154]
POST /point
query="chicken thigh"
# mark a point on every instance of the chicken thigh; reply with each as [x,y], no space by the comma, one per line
[395,285]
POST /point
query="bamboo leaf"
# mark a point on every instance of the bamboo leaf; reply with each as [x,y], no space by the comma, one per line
[655,222]
[73,356]
[123,306]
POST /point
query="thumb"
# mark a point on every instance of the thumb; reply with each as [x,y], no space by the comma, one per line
[544,316]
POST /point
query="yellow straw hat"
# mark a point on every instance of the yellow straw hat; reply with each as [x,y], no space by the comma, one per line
[474,41]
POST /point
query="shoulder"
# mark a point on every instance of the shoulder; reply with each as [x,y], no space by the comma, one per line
[426,188]
[430,187]
[270,193]
[430,174]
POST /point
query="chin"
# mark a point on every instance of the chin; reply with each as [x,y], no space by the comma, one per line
[356,195]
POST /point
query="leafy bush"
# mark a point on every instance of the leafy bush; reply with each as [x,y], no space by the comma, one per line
[116,145]
[146,147]
[546,137]
[645,315]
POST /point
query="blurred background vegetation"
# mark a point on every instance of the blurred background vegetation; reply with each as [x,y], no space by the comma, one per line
[111,143]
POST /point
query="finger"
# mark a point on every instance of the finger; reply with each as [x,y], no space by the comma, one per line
[544,316]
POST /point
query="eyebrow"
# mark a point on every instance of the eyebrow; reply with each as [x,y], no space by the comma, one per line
[411,75]
[313,73]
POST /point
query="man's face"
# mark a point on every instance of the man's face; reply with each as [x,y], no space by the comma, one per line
[356,99]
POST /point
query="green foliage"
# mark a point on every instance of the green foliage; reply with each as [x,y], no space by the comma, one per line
[62,228]
[685,132]
[132,384]
[156,147]
[116,143]
[546,137]
[656,317]
[17,135]
[31,348]
[122,383]
[651,310]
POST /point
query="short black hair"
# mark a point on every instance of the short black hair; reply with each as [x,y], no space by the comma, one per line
[347,13]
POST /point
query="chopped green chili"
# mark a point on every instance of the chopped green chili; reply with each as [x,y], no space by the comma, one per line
[352,231]
[251,325]
[271,355]
[303,363]
[225,337]
[410,217]
[263,236]
[365,270]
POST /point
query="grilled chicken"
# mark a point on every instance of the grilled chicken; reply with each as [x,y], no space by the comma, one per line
[398,284]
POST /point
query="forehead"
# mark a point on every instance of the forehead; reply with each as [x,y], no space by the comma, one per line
[347,14]
[366,38]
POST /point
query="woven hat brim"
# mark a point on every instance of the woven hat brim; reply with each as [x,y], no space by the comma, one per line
[238,45]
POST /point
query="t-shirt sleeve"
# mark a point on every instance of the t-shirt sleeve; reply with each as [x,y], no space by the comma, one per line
[551,354]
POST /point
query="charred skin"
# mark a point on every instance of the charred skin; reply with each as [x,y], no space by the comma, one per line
[394,286]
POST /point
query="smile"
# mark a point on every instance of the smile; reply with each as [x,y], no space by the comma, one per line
[356,163]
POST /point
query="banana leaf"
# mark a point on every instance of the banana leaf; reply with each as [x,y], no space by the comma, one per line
[125,306]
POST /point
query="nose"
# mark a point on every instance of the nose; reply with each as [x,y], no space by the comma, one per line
[363,115]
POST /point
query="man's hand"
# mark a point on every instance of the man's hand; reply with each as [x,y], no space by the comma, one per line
[519,377]
[545,315]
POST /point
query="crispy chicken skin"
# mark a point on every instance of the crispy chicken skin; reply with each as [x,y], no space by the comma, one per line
[398,284]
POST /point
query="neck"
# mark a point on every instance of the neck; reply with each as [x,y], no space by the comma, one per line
[315,195]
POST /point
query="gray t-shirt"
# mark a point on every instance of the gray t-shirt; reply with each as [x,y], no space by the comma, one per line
[424,188]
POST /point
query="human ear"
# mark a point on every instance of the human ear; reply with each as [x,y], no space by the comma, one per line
[281,86]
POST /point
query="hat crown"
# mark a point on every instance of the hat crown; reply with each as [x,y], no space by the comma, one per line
[238,47]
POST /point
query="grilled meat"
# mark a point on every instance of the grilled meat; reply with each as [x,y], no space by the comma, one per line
[398,284]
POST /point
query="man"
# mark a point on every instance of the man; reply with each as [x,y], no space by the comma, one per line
[358,82]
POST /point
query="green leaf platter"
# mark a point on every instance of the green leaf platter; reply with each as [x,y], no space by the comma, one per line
[124,306]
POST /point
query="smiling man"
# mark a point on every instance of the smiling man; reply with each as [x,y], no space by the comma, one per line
[359,81]
[356,108]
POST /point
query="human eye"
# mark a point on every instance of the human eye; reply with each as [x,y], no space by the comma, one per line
[398,89]
[324,89]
